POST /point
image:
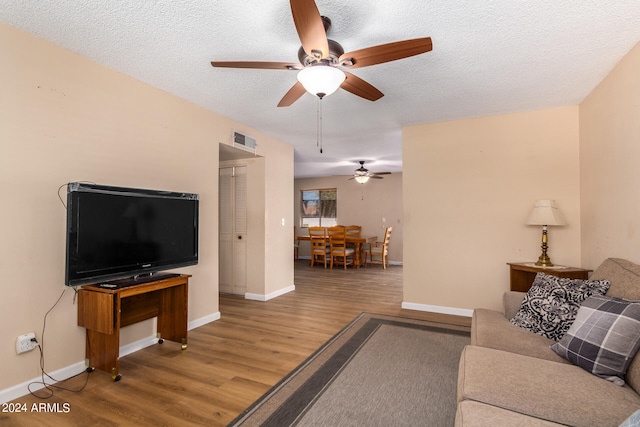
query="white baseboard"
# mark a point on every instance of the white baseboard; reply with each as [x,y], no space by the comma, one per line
[138,345]
[438,309]
[22,389]
[204,320]
[261,297]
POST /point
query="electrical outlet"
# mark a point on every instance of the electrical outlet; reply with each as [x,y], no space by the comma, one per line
[26,342]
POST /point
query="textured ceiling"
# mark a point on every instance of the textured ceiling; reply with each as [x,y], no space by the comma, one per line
[489,57]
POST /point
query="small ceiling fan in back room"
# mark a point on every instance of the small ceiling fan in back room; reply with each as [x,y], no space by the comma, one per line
[320,71]
[362,174]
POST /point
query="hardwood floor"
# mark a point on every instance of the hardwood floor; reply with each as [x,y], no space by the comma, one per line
[231,362]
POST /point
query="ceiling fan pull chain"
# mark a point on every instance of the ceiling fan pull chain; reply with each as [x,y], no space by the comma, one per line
[319,124]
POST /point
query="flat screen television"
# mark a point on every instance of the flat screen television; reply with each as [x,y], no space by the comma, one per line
[126,233]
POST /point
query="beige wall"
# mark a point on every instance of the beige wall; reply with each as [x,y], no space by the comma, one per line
[468,188]
[361,204]
[64,118]
[278,218]
[609,165]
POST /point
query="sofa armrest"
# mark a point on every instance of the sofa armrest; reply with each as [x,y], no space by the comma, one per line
[511,301]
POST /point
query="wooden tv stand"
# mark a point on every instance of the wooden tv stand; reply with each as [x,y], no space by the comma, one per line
[104,311]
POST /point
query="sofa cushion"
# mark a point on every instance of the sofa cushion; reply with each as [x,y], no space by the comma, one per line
[489,328]
[551,304]
[557,392]
[511,301]
[623,275]
[604,338]
[475,414]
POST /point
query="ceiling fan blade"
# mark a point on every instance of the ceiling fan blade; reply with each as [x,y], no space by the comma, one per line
[258,64]
[292,95]
[380,173]
[385,53]
[370,176]
[359,87]
[310,28]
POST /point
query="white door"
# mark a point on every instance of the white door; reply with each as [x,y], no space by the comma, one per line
[233,230]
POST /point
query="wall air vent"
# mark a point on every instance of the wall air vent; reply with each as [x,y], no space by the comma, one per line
[244,141]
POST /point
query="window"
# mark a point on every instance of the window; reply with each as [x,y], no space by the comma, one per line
[318,208]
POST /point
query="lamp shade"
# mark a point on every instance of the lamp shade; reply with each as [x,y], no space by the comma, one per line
[545,212]
[362,179]
[321,80]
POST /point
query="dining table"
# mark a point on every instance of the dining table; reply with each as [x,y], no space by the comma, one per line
[358,243]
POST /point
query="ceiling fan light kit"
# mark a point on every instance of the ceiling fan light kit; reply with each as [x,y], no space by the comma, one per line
[321,80]
[362,174]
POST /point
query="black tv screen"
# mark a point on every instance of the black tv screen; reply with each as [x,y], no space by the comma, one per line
[115,232]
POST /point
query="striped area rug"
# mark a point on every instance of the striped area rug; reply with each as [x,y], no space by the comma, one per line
[378,371]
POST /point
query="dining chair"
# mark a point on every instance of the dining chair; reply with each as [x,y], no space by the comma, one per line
[318,240]
[379,250]
[355,231]
[338,247]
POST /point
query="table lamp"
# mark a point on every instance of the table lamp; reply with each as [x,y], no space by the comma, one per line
[545,213]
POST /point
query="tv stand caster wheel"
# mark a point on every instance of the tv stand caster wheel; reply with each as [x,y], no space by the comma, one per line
[160,340]
[184,344]
[115,376]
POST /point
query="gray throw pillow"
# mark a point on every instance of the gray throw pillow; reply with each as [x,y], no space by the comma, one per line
[604,338]
[550,306]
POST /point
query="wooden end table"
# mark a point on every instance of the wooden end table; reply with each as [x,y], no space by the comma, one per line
[522,274]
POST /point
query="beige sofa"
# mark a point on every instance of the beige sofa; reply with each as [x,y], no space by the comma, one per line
[510,377]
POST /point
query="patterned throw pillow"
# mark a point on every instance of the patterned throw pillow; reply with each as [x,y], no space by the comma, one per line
[604,338]
[632,421]
[550,306]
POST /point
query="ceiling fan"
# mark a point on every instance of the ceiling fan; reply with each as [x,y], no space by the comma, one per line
[321,59]
[362,174]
